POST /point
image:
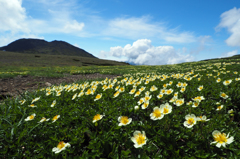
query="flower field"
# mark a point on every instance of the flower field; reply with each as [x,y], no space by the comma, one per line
[190,110]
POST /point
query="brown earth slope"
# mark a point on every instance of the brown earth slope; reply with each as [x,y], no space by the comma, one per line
[10,87]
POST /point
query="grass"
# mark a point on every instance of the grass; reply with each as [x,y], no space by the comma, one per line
[81,104]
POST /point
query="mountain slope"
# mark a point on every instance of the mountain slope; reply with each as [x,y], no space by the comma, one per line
[38,46]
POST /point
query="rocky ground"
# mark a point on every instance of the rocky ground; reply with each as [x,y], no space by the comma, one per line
[10,87]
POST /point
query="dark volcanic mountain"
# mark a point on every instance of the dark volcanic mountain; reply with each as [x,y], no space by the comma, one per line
[38,46]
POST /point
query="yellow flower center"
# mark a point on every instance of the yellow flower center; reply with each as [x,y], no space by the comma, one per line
[124,119]
[60,145]
[98,96]
[147,98]
[157,113]
[145,105]
[31,117]
[133,90]
[97,117]
[140,139]
[220,138]
[32,105]
[169,91]
[179,102]
[196,104]
[190,121]
[165,111]
[116,94]
[223,95]
[137,93]
[55,117]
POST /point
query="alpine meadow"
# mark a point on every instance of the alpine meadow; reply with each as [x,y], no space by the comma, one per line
[188,110]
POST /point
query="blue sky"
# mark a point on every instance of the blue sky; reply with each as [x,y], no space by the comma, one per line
[154,32]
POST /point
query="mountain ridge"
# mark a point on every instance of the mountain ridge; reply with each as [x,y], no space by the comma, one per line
[40,46]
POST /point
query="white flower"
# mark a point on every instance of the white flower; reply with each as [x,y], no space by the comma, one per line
[98,97]
[132,91]
[227,82]
[223,95]
[219,107]
[36,99]
[142,89]
[30,117]
[221,139]
[74,96]
[202,118]
[153,88]
[230,111]
[165,108]
[179,102]
[200,88]
[160,95]
[22,101]
[43,119]
[55,118]
[53,103]
[116,94]
[97,117]
[60,147]
[145,104]
[139,138]
[136,107]
[169,91]
[195,104]
[190,120]
[32,105]
[124,120]
[80,94]
[140,101]
[157,114]
[147,98]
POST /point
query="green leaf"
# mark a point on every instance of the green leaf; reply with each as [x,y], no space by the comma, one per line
[125,153]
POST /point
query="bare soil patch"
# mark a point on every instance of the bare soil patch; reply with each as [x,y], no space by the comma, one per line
[10,87]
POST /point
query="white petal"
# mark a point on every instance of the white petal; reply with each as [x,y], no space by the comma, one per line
[230,140]
[218,145]
[55,149]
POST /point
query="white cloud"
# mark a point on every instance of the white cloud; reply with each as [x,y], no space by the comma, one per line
[13,16]
[15,23]
[135,28]
[142,52]
[229,54]
[73,27]
[231,20]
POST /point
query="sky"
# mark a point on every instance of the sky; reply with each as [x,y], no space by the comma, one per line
[141,32]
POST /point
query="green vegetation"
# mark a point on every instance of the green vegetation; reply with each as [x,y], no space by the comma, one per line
[189,110]
[11,62]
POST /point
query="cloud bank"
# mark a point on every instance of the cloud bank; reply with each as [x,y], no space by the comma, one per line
[229,54]
[142,52]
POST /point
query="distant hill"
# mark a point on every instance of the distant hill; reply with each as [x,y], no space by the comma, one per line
[39,46]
